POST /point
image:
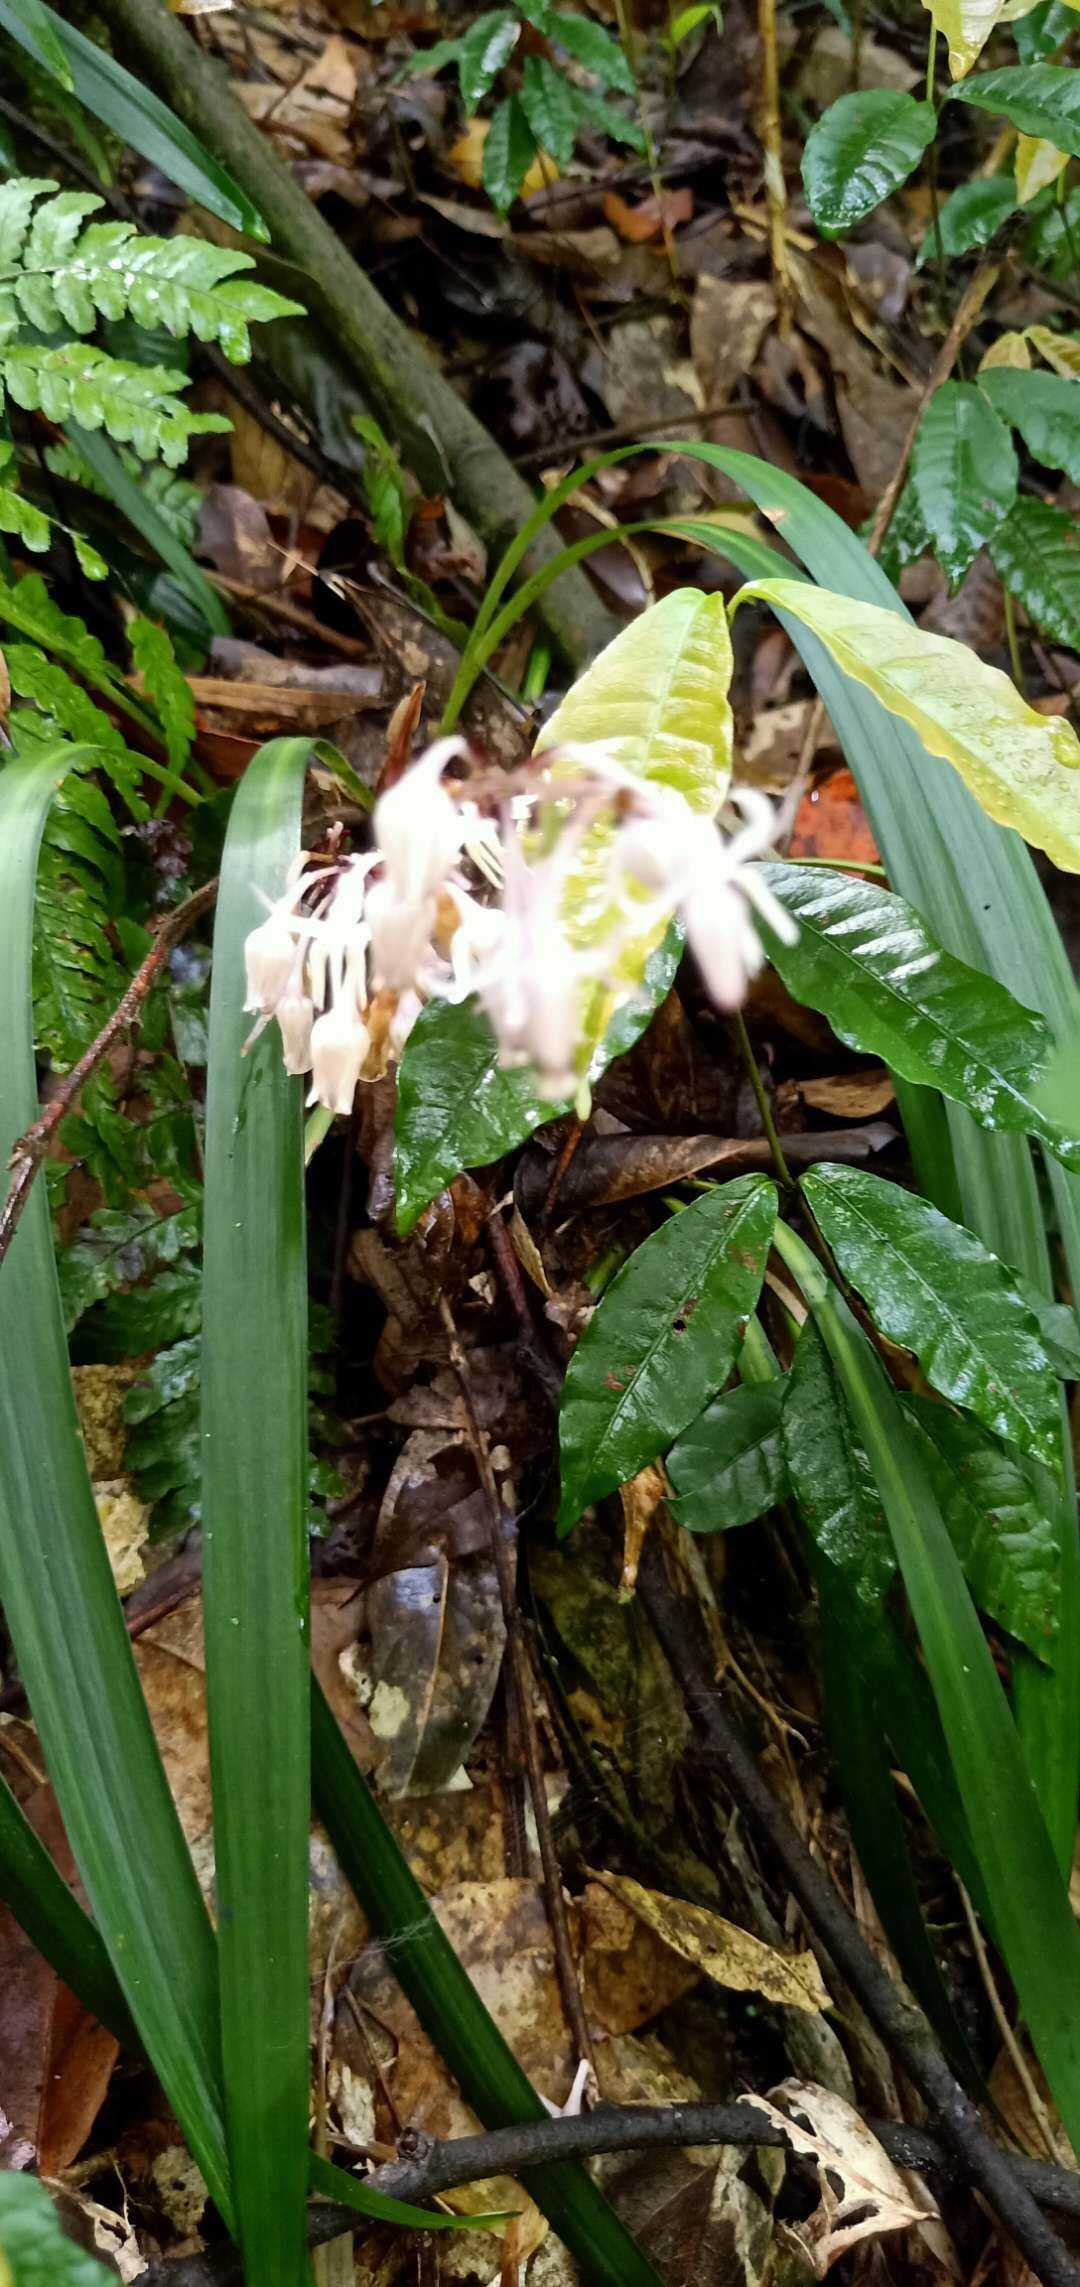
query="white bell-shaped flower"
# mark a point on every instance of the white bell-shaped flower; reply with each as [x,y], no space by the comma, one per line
[339,1047]
[295,1013]
[419,827]
[269,960]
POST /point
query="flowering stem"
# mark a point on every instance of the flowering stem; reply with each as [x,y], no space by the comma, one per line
[783,1171]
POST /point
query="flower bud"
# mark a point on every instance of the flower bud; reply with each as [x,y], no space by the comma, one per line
[339,1046]
[295,1014]
[269,955]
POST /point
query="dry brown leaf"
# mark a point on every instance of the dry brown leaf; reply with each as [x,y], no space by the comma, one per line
[873,2196]
[852,1095]
[641,1498]
[55,2060]
[728,323]
[720,1950]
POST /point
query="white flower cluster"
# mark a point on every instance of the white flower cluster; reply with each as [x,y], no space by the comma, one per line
[347,957]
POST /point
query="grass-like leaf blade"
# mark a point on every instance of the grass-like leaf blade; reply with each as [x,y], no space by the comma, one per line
[254,1506]
[61,1605]
[1026,1894]
[139,118]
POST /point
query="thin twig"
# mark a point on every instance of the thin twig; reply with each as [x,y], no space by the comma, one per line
[1010,2043]
[772,147]
[899,2021]
[279,607]
[984,278]
[32,1147]
[433,2166]
[522,1685]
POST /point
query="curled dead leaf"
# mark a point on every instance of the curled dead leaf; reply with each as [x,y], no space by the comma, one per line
[720,1950]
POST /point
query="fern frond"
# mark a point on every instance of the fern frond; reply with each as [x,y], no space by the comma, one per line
[77,978]
[66,707]
[29,524]
[17,201]
[64,270]
[26,604]
[176,499]
[166,686]
[136,404]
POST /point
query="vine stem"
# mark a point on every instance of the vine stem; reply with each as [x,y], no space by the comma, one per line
[935,202]
[761,1099]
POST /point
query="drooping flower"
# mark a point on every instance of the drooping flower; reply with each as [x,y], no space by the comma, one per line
[587,862]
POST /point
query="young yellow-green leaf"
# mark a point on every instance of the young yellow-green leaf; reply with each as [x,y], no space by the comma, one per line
[456,1105]
[1021,766]
[1045,408]
[970,217]
[1039,99]
[1036,164]
[861,150]
[966,25]
[1062,351]
[1035,551]
[1008,1546]
[934,1288]
[662,1340]
[658,698]
[1009,349]
[728,1467]
[868,962]
[964,472]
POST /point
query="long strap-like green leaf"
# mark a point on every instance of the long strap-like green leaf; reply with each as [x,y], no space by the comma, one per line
[58,1594]
[255,1572]
[1026,1895]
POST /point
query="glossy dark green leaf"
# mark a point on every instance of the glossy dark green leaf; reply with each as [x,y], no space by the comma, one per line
[864,147]
[140,119]
[1042,30]
[458,1108]
[1058,1329]
[134,501]
[728,1467]
[662,1340]
[934,1288]
[964,473]
[549,103]
[830,1476]
[1026,1892]
[970,217]
[1039,99]
[1006,1544]
[1051,238]
[868,962]
[1036,553]
[483,50]
[450,2008]
[253,1373]
[60,1600]
[509,151]
[589,44]
[35,2251]
[1045,409]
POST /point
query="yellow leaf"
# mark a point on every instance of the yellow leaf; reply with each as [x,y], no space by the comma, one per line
[720,1950]
[658,698]
[1062,351]
[466,157]
[1021,766]
[966,25]
[1037,164]
[1008,349]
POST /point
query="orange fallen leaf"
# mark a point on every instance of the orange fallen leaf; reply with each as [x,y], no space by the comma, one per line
[651,217]
[831,823]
